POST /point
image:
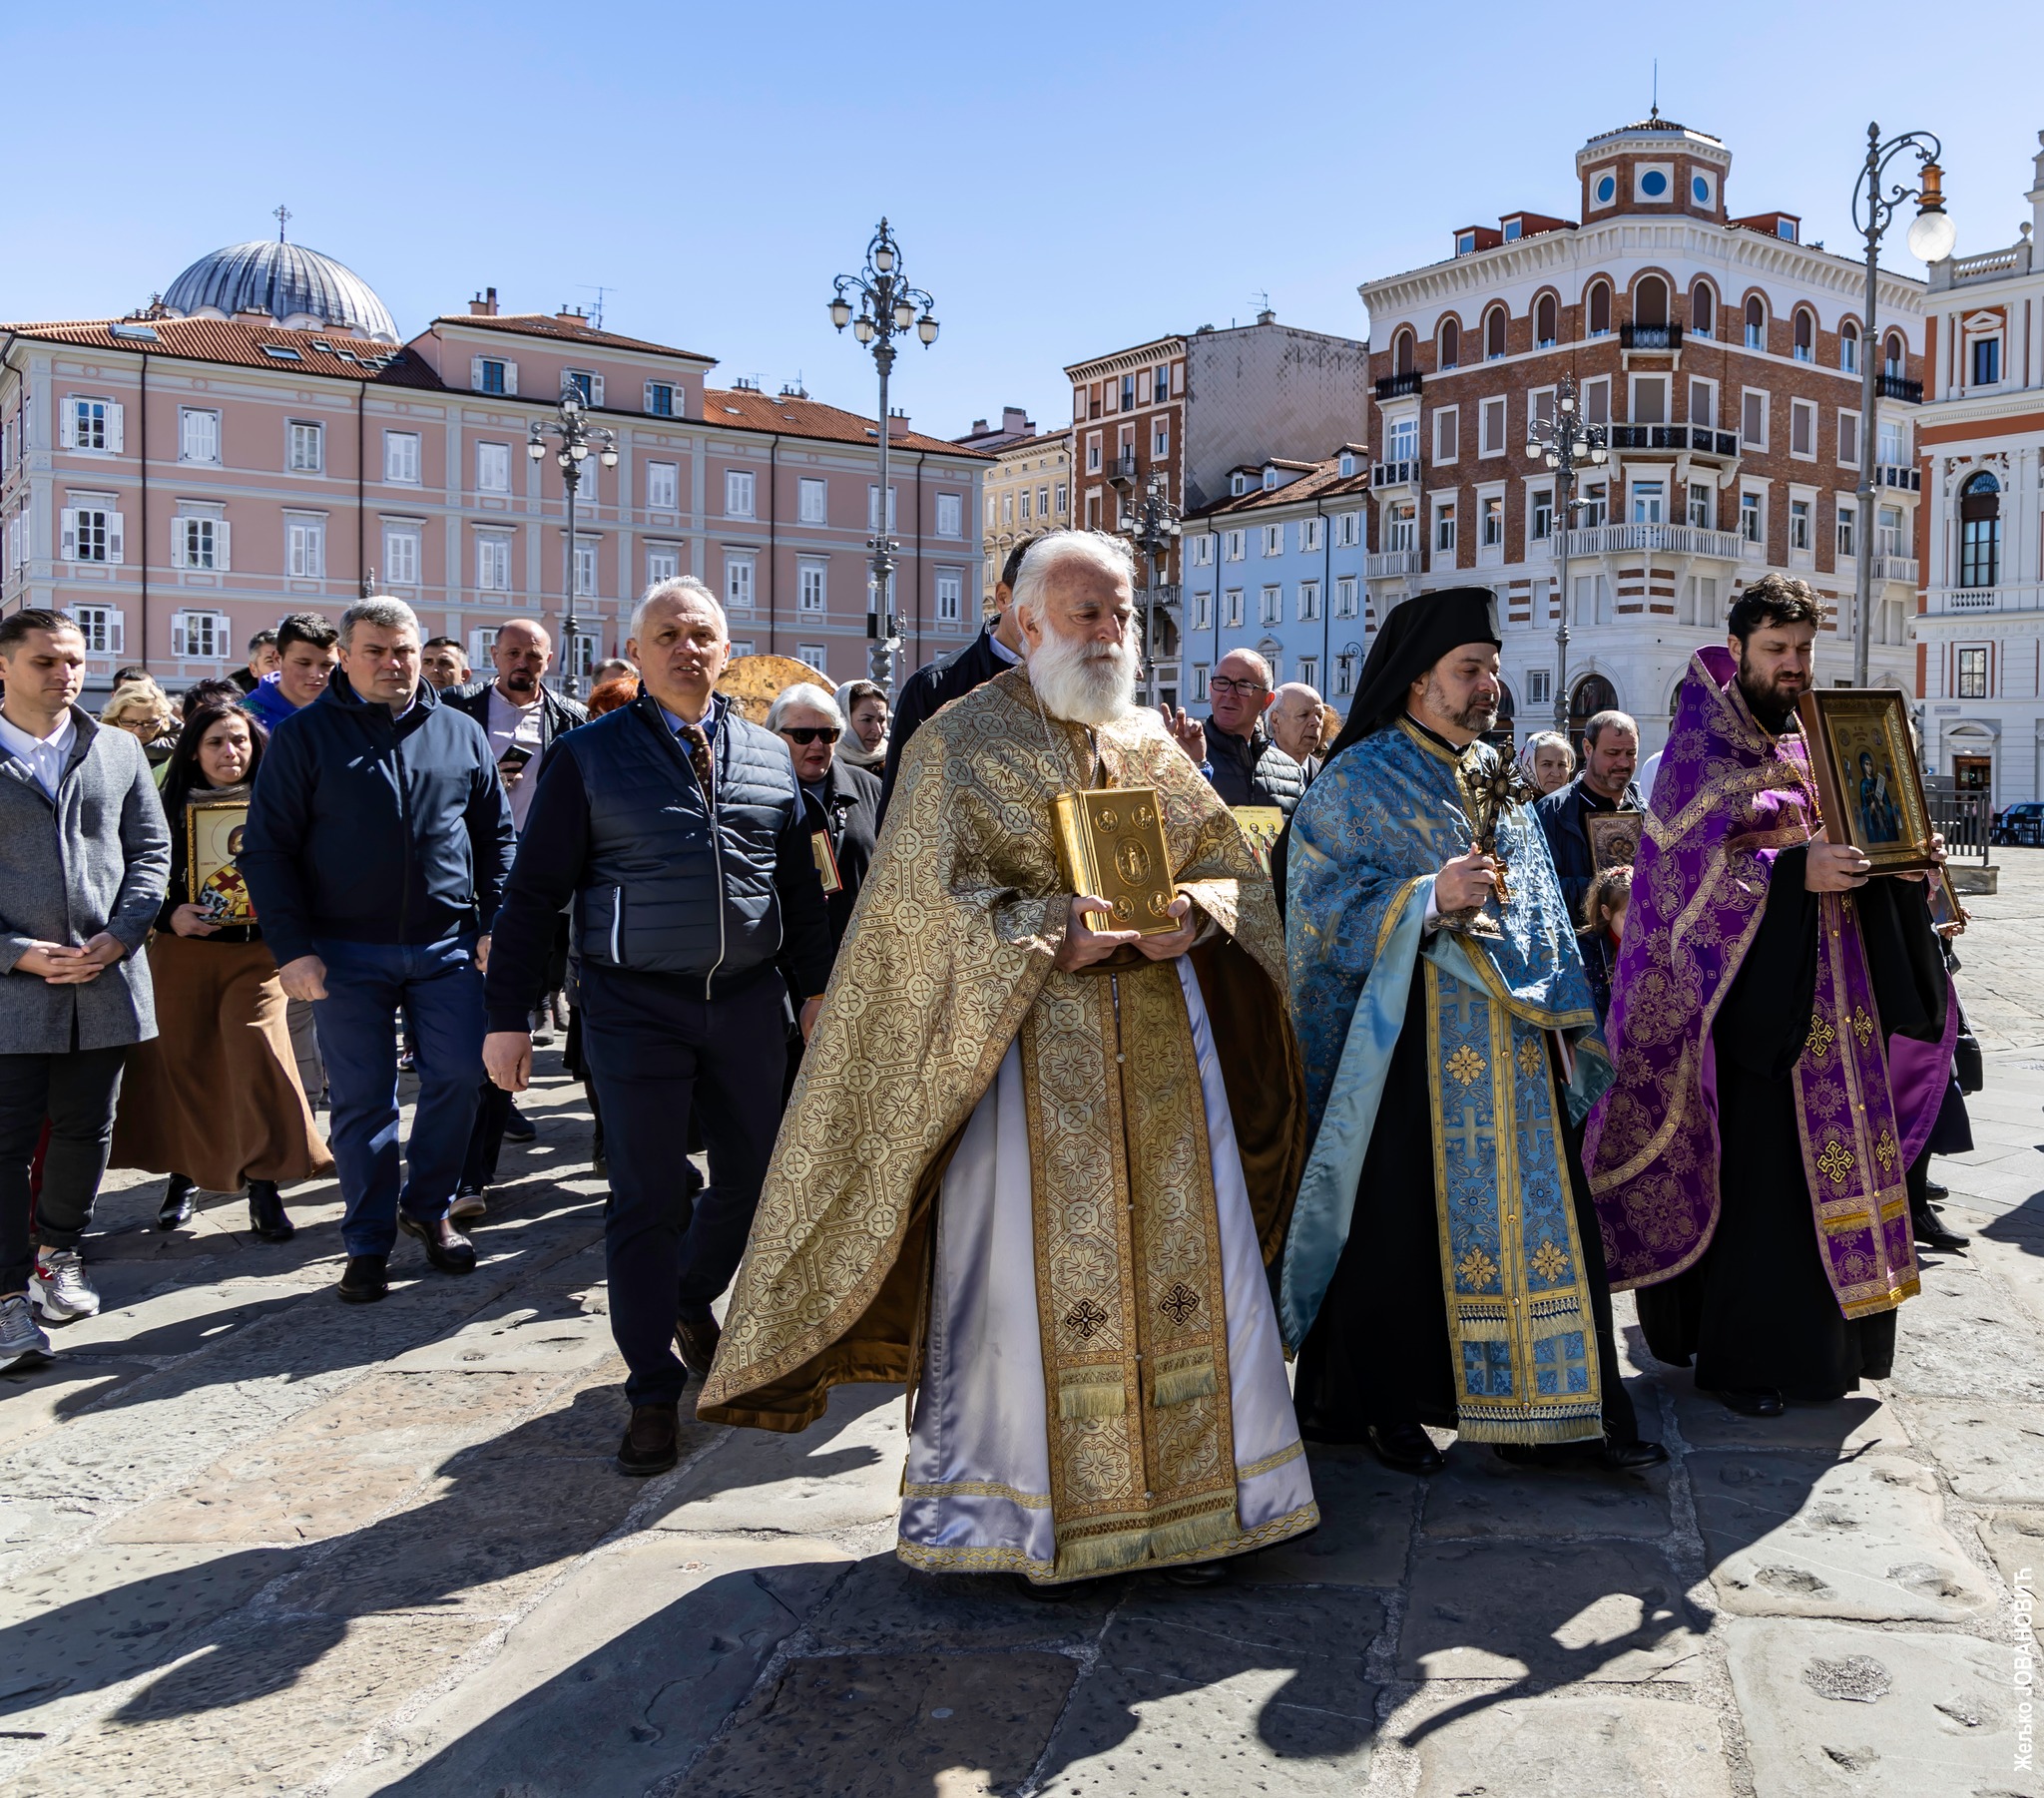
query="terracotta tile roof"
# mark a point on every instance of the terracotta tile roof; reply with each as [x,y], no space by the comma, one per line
[1325,483]
[742,409]
[545,324]
[246,343]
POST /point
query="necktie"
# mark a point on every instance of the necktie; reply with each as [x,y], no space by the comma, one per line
[698,758]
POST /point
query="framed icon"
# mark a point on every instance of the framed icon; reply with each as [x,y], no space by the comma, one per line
[1614,838]
[212,839]
[1864,760]
[1947,916]
[1261,825]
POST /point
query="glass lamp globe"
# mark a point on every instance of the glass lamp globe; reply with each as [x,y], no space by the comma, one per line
[927,328]
[862,329]
[1533,449]
[579,451]
[536,450]
[904,315]
[609,458]
[1933,234]
[883,257]
[840,312]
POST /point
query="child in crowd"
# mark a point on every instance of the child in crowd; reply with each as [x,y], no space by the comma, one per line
[1603,929]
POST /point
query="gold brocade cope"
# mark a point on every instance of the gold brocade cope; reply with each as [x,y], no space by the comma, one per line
[1128,1274]
[947,955]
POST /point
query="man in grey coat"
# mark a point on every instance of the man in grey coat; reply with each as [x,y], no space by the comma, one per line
[84,858]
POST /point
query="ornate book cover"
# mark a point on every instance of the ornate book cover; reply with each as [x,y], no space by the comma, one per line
[1111,843]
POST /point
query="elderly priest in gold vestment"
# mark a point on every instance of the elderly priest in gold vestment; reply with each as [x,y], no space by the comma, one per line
[1038,1170]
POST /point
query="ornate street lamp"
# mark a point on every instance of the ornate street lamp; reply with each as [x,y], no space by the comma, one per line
[576,437]
[1151,524]
[1563,442]
[1930,241]
[881,306]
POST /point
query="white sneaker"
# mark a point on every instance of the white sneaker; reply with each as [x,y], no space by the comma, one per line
[60,1290]
[22,1342]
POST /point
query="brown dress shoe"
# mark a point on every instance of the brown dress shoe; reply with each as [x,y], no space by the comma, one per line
[695,1339]
[648,1445]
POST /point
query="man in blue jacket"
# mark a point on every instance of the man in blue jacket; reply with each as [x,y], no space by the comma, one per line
[1611,750]
[680,832]
[378,847]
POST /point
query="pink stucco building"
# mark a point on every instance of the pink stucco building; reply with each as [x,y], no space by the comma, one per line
[259,442]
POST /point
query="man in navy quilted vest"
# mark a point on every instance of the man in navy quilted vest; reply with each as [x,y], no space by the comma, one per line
[678,828]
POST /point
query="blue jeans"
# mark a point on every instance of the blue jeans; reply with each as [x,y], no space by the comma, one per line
[438,988]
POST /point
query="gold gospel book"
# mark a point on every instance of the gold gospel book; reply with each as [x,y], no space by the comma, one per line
[1111,843]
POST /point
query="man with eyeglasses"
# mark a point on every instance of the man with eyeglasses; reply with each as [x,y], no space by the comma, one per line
[1244,764]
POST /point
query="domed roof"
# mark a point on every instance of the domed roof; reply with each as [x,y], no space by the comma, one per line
[294,286]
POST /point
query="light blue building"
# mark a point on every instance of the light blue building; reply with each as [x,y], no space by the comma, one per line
[1279,567]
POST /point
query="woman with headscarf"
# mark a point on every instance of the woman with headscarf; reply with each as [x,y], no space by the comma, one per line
[1547,762]
[214,1101]
[864,745]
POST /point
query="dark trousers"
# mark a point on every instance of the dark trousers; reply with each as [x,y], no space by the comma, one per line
[437,988]
[76,1093]
[486,1140]
[656,1055]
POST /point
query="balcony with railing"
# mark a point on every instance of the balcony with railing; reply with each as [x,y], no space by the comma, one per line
[1896,568]
[1390,565]
[1397,386]
[1893,386]
[1700,439]
[1649,337]
[1968,599]
[1404,473]
[1667,539]
[1120,467]
[1898,475]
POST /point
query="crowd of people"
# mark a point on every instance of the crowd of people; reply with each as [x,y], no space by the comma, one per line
[1399,1104]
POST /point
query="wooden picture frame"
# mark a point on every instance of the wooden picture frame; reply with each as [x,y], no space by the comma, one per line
[213,839]
[1863,757]
[1947,916]
[1613,837]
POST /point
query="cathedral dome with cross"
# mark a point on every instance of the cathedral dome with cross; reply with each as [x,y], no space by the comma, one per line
[291,285]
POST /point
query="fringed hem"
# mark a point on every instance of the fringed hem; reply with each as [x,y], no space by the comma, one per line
[972,1560]
[1094,1398]
[1186,1378]
[1888,1301]
[1586,1427]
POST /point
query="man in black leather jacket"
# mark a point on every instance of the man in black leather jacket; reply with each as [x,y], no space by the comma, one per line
[679,830]
[1247,768]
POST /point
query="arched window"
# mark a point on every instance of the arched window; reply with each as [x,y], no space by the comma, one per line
[1600,308]
[1494,333]
[1545,320]
[1755,323]
[1981,531]
[1593,694]
[1898,354]
[1451,343]
[1650,301]
[1401,353]
[1805,334]
[1849,347]
[1703,309]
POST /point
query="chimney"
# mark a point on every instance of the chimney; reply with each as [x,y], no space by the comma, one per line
[897,424]
[1016,418]
[978,428]
[571,315]
[484,305]
[1267,317]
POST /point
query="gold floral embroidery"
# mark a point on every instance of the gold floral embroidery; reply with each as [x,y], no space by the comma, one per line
[1884,1151]
[1549,1262]
[1821,1037]
[1530,1059]
[1863,1025]
[1835,1161]
[1476,1270]
[1466,1065]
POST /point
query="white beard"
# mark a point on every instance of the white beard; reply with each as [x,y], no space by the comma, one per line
[1084,681]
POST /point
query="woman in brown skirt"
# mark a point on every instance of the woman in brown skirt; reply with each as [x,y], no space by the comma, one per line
[214,1100]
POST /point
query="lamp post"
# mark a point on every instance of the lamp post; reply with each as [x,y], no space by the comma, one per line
[1151,524]
[570,426]
[881,306]
[1563,442]
[1930,241]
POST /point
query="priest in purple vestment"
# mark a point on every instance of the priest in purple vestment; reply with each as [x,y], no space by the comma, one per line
[1771,1011]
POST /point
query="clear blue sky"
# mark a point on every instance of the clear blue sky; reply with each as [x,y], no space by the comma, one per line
[1065,178]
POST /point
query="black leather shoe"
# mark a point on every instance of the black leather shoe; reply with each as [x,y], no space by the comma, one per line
[267,1215]
[518,1128]
[1199,1575]
[177,1207]
[363,1281]
[450,1253]
[1629,1457]
[1935,1189]
[1763,1401]
[1932,1234]
[648,1445]
[697,1340]
[1407,1449]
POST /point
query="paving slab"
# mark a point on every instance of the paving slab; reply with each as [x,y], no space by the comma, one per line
[1993,1454]
[556,1331]
[1792,1535]
[956,1725]
[842,1472]
[1570,1747]
[886,1604]
[2015,1543]
[1478,1495]
[615,1680]
[1955,1342]
[175,1318]
[1846,1426]
[1234,1690]
[41,1397]
[1557,1611]
[1365,1527]
[1832,1709]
